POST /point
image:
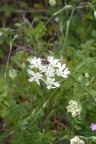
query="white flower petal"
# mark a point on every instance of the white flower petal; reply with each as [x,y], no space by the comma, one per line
[48,87]
[63,66]
[57,84]
[37,81]
[30,72]
[31,66]
[55,62]
[50,59]
[31,79]
[64,76]
[58,64]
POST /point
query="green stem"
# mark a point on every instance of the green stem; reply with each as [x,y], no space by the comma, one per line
[67,7]
[5,75]
[67,28]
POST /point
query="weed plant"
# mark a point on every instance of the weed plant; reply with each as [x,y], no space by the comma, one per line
[37,110]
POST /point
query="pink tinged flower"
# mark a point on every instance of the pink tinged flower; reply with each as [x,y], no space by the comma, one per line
[93,127]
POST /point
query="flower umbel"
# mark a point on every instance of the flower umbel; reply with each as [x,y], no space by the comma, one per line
[76,140]
[52,2]
[74,108]
[47,70]
[12,73]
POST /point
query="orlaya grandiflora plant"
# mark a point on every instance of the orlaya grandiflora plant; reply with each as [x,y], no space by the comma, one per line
[47,70]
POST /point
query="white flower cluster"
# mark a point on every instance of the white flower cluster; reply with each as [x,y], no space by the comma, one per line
[52,2]
[74,108]
[93,138]
[12,73]
[46,70]
[76,140]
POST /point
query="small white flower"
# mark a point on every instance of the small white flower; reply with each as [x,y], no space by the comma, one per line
[56,19]
[76,140]
[42,68]
[53,62]
[74,108]
[52,2]
[12,73]
[62,70]
[50,82]
[50,71]
[34,76]
[87,75]
[34,62]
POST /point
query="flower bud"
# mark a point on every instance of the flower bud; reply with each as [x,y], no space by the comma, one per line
[52,2]
[12,73]
[95,13]
[1,33]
